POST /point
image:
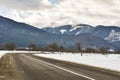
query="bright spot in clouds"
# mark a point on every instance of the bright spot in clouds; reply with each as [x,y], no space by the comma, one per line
[59,12]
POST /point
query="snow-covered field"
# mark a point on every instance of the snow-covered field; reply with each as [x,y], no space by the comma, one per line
[111,61]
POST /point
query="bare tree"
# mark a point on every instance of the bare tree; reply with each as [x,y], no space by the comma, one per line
[103,50]
[9,46]
[32,47]
[90,50]
[62,48]
[53,47]
[78,48]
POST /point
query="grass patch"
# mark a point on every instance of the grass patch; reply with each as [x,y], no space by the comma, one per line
[7,68]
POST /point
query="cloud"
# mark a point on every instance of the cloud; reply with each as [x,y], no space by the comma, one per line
[26,4]
[60,12]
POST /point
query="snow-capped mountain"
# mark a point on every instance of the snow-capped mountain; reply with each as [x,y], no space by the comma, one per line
[69,29]
[104,31]
[114,38]
[59,30]
[108,33]
[81,28]
[23,34]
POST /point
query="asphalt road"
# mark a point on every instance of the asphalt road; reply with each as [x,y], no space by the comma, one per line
[37,68]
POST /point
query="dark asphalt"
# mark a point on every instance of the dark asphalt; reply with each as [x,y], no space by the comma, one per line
[36,68]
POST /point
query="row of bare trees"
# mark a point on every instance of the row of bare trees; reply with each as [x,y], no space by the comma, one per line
[102,50]
[54,47]
[8,46]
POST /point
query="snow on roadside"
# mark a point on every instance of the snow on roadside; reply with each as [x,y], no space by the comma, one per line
[111,61]
[3,52]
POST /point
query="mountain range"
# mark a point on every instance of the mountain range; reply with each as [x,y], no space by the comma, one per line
[111,34]
[67,36]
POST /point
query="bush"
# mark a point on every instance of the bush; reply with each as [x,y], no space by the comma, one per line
[9,46]
[90,50]
[32,47]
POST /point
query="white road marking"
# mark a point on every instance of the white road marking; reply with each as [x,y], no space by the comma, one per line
[62,68]
[69,71]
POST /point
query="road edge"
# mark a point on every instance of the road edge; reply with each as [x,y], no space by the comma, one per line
[113,72]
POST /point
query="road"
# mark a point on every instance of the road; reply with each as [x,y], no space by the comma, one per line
[37,68]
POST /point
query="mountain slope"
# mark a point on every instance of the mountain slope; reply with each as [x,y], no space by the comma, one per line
[23,34]
[86,40]
[110,34]
[69,29]
[104,31]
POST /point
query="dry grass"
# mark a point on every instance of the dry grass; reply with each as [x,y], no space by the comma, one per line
[7,68]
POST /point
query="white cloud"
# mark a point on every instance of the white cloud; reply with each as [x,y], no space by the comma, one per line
[25,4]
[58,12]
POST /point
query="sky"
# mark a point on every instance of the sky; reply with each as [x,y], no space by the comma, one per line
[43,13]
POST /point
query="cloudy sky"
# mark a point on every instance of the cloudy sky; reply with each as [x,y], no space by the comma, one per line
[59,12]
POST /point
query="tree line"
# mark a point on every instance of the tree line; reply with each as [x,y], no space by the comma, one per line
[54,47]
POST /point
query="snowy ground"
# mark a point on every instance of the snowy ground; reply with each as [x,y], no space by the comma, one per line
[3,52]
[111,61]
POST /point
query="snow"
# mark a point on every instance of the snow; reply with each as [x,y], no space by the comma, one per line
[77,33]
[83,29]
[63,31]
[73,29]
[76,27]
[111,61]
[3,52]
[113,36]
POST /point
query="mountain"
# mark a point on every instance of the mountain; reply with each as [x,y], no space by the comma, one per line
[110,34]
[58,30]
[23,34]
[69,29]
[87,40]
[100,31]
[104,31]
